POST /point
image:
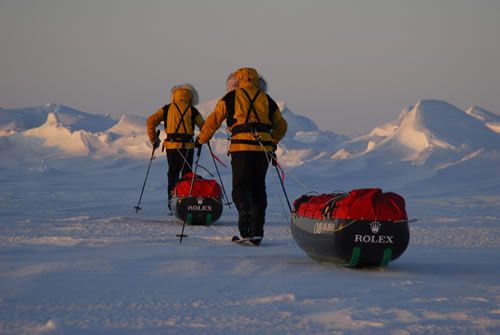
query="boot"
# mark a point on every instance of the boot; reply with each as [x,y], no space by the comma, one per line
[257,223]
[256,240]
[244,219]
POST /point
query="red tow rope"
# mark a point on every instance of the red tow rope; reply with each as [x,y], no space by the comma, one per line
[217,159]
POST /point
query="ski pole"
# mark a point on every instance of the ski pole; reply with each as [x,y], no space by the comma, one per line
[275,160]
[181,235]
[218,173]
[137,208]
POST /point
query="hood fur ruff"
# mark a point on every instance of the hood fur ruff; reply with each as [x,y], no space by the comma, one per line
[232,82]
[247,74]
[184,92]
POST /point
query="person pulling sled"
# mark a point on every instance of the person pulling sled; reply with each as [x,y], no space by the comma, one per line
[179,118]
[256,126]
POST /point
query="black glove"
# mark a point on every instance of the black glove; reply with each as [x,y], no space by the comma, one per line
[156,143]
[197,143]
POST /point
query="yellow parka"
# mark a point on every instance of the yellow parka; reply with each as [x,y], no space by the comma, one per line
[178,117]
[252,129]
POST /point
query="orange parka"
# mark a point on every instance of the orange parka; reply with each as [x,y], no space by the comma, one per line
[254,126]
[178,117]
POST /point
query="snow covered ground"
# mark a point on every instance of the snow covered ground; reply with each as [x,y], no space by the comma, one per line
[75,258]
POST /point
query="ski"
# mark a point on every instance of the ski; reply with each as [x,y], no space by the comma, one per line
[255,242]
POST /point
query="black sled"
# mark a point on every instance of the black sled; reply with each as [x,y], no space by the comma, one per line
[364,227]
[197,201]
[197,210]
[354,243]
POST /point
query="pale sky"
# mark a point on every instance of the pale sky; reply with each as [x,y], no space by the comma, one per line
[349,65]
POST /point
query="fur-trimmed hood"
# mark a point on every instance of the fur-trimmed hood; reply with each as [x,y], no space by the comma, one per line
[232,82]
[247,75]
[184,92]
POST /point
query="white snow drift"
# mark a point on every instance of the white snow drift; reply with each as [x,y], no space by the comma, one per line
[75,258]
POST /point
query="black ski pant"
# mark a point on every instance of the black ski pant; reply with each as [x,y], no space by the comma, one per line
[179,161]
[249,191]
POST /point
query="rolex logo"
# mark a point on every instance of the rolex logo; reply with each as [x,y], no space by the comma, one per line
[375,226]
[199,200]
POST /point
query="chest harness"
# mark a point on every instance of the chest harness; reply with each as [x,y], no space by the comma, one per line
[249,127]
[176,136]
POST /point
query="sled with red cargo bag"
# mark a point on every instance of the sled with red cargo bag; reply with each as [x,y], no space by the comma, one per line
[364,227]
[203,207]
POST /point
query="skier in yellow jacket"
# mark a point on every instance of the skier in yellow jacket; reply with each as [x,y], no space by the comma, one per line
[179,118]
[256,126]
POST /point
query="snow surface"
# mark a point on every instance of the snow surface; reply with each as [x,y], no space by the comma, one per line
[75,258]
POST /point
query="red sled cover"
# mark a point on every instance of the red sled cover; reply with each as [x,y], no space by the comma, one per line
[201,187]
[359,204]
[313,206]
[371,204]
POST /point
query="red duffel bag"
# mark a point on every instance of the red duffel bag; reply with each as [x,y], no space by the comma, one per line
[359,204]
[201,187]
[371,204]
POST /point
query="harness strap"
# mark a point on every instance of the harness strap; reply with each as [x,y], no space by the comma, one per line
[251,107]
[252,142]
[181,121]
[251,128]
[179,137]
